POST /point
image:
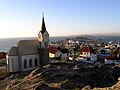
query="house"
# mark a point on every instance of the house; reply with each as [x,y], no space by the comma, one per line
[2,57]
[54,53]
[29,54]
[64,53]
[118,52]
[103,53]
[112,59]
[88,53]
[58,53]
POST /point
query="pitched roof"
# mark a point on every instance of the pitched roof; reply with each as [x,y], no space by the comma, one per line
[87,49]
[28,46]
[63,50]
[111,57]
[13,51]
[53,50]
[2,55]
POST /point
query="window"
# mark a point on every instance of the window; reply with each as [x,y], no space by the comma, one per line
[35,62]
[30,63]
[60,55]
[25,63]
[84,53]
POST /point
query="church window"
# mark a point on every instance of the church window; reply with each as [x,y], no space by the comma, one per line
[25,63]
[30,63]
[35,62]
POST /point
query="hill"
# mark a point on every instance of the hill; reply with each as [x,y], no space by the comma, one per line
[66,77]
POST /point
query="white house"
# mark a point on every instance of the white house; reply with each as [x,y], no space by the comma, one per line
[29,54]
[61,53]
[88,53]
[54,53]
[64,53]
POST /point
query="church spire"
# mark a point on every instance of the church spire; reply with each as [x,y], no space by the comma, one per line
[43,27]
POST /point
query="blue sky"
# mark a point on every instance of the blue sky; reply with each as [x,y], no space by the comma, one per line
[22,18]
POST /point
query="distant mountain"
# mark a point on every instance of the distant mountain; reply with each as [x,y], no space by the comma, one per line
[106,34]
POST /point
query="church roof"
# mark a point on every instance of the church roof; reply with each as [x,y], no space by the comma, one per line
[13,51]
[28,47]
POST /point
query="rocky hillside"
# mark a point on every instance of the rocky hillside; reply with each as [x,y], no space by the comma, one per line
[69,78]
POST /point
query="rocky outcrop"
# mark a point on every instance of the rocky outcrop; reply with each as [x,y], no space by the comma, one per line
[68,79]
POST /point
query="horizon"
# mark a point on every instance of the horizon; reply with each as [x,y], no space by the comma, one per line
[62,18]
[99,34]
[6,43]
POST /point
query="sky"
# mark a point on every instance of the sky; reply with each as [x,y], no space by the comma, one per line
[23,18]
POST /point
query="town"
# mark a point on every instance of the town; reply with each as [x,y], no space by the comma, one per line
[85,49]
[81,49]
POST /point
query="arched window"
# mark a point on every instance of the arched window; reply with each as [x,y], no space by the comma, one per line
[30,63]
[25,63]
[35,62]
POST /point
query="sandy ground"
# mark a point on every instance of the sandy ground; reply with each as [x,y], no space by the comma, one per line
[3,83]
[2,70]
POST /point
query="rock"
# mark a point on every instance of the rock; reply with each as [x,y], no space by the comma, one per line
[2,77]
[34,72]
[12,83]
[119,79]
[86,88]
[67,78]
[42,86]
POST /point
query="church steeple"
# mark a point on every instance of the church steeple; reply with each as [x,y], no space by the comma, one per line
[43,45]
[43,35]
[43,27]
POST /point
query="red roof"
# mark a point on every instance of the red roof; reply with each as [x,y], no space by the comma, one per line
[86,49]
[53,50]
[2,55]
[111,57]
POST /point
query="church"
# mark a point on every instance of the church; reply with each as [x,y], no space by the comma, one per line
[29,54]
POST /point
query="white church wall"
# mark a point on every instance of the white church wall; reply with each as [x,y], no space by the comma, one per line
[45,37]
[27,58]
[12,63]
[45,43]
